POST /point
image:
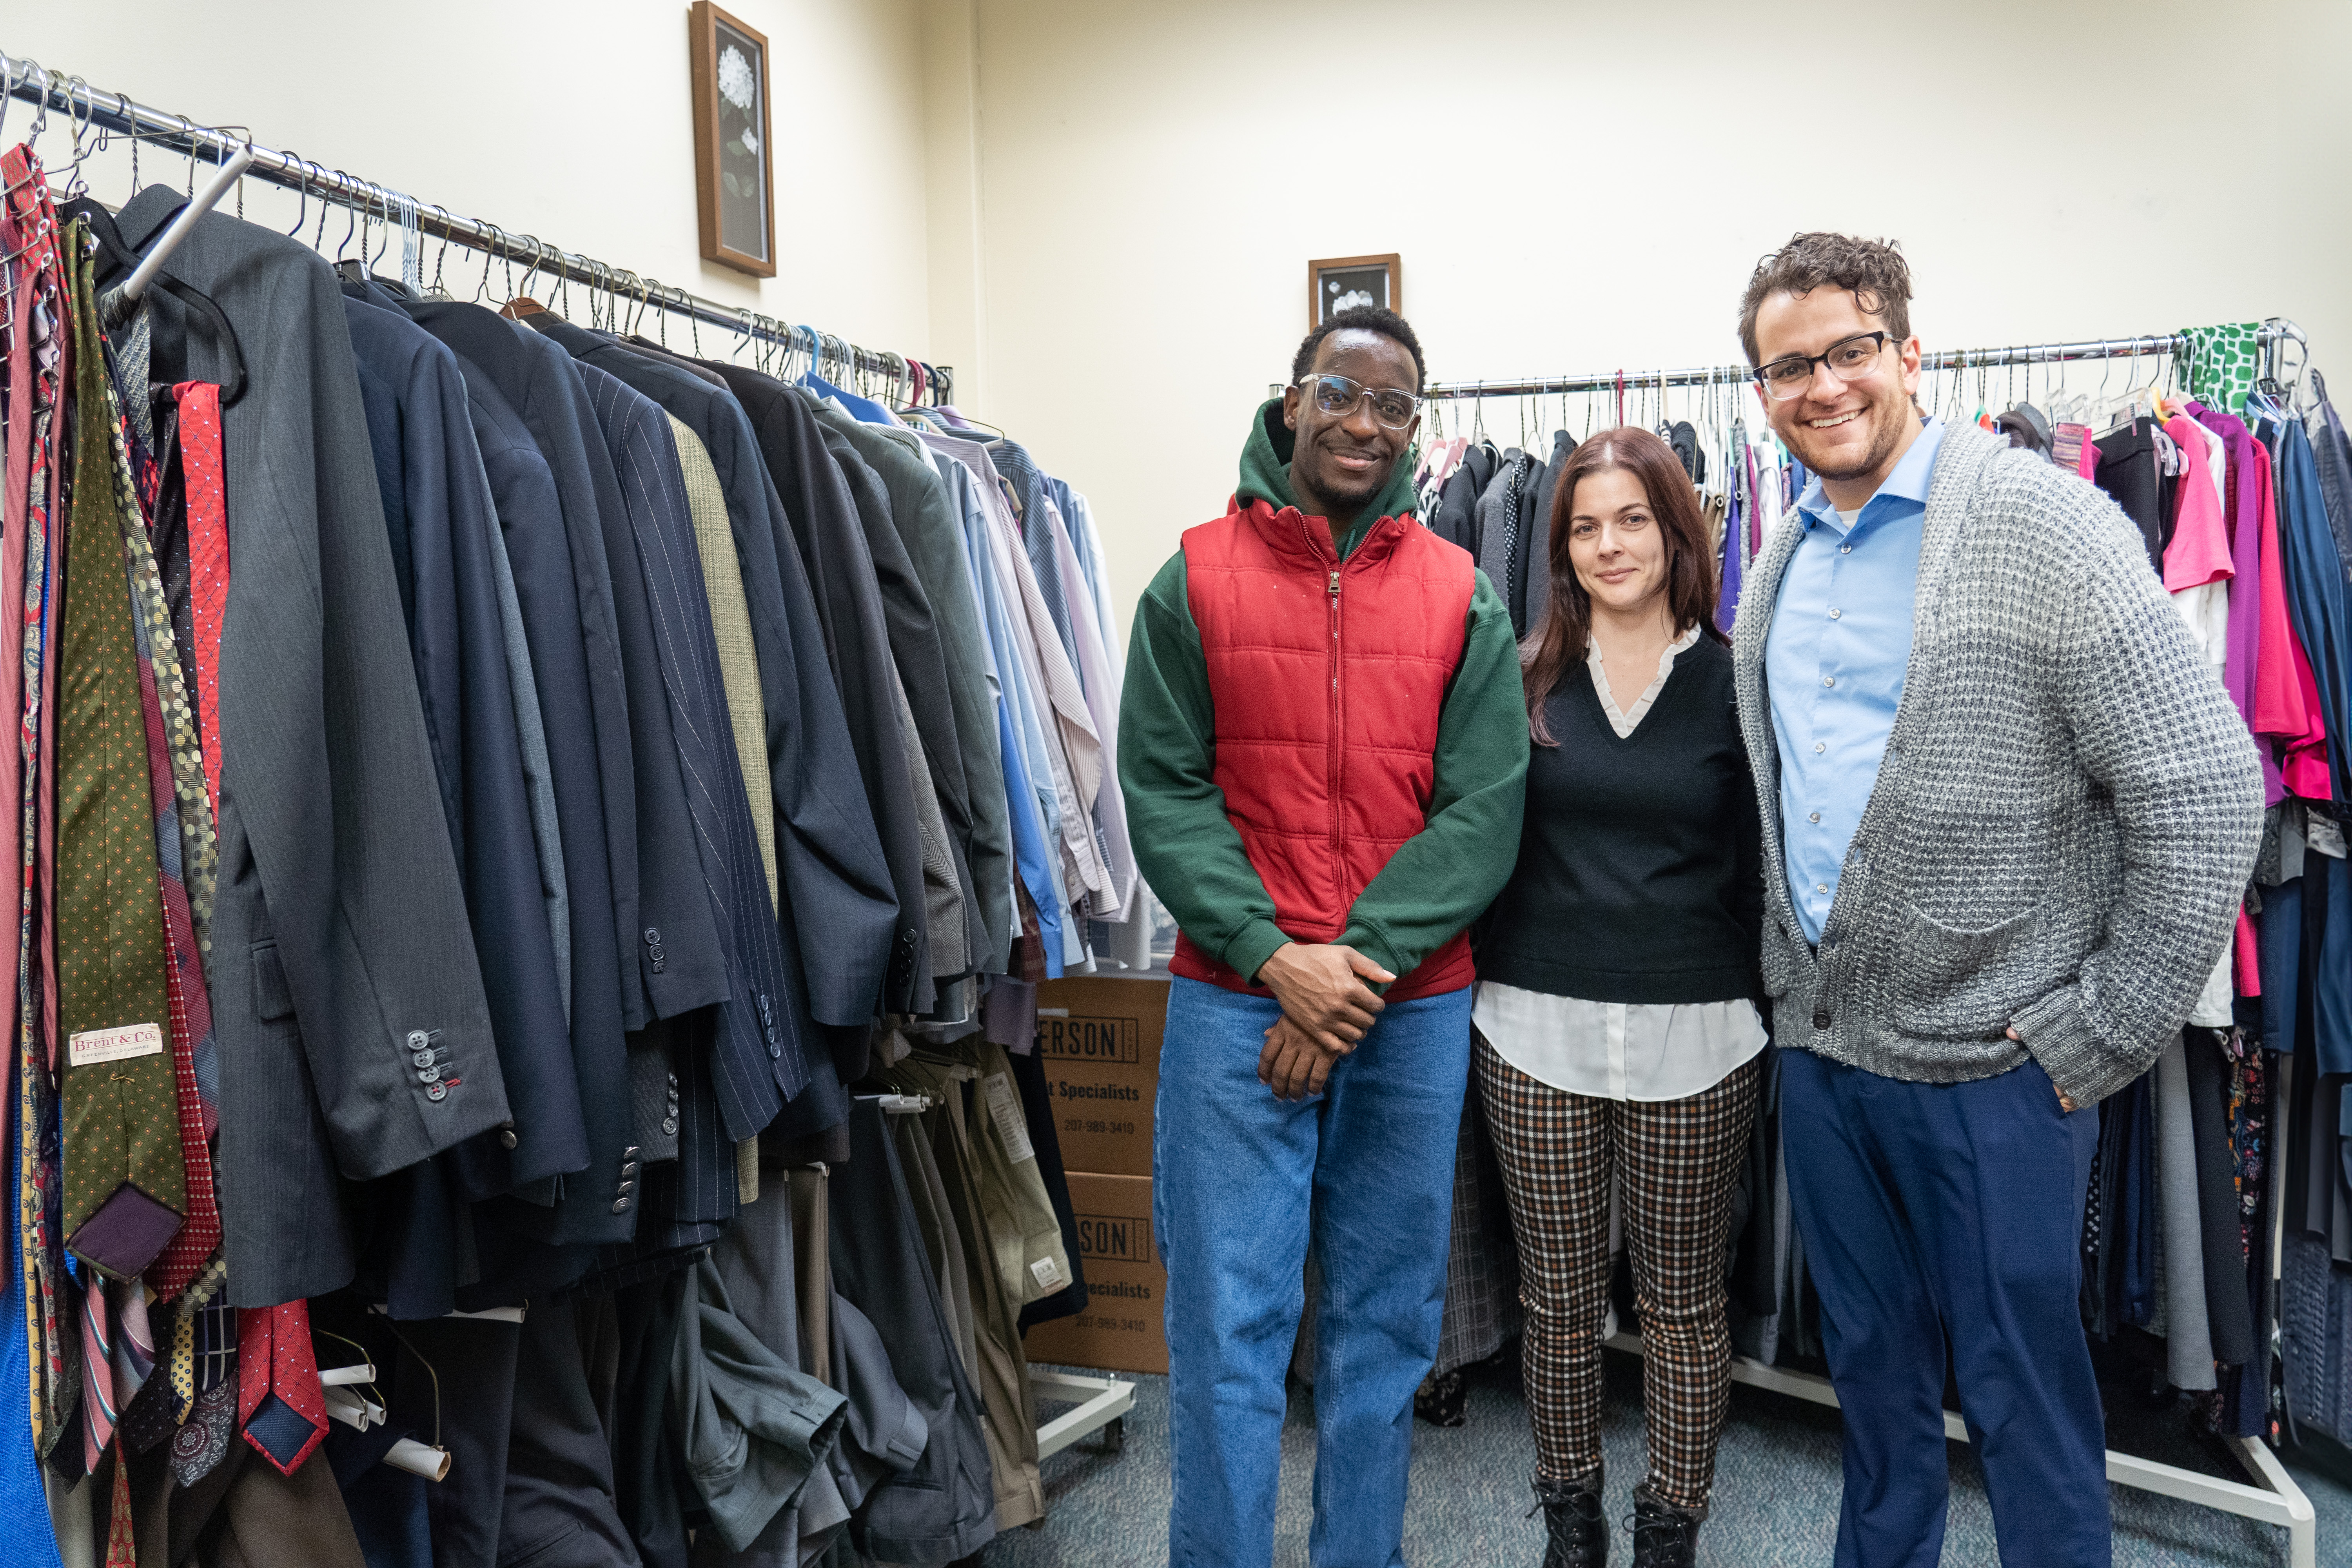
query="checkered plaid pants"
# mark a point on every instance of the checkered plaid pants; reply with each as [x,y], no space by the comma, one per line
[1674,1163]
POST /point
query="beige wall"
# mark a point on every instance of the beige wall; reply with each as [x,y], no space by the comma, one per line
[1100,211]
[570,121]
[1580,186]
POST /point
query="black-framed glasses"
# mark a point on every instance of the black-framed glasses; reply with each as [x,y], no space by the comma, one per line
[1337,395]
[1848,359]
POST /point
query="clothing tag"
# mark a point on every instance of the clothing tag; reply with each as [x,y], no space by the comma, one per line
[2326,835]
[1048,1272]
[1005,1104]
[94,1045]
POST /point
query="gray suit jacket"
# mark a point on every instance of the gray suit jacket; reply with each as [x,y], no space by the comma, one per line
[340,948]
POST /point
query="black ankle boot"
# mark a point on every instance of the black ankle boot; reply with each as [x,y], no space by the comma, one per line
[1573,1520]
[1664,1537]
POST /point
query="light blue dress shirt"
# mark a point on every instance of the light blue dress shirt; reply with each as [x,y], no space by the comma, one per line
[1834,663]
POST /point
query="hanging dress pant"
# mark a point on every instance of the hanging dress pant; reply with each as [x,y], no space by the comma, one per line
[944,1508]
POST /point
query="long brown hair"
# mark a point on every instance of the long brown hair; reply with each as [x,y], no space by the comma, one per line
[1559,644]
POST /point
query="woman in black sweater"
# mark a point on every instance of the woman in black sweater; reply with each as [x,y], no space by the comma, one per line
[1618,1039]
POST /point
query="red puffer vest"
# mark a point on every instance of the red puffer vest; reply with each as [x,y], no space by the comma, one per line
[1328,681]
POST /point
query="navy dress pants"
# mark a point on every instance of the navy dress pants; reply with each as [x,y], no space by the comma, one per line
[1936,1214]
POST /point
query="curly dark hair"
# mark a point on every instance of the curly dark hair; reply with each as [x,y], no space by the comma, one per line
[1363,318]
[1874,271]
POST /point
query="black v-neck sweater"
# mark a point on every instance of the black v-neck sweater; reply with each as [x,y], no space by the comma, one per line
[1640,875]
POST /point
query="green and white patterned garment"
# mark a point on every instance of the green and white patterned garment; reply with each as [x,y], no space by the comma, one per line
[2223,363]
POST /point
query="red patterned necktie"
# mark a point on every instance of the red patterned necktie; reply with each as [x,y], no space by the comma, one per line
[200,1233]
[100,1407]
[279,1401]
[201,471]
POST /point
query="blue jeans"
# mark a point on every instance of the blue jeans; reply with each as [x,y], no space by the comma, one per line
[1236,1174]
[1936,1212]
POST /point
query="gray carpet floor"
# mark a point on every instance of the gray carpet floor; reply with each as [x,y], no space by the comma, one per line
[1776,1490]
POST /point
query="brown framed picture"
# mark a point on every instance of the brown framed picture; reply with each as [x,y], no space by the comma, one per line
[1347,281]
[734,189]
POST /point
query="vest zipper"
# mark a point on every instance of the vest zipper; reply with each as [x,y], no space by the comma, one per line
[1339,733]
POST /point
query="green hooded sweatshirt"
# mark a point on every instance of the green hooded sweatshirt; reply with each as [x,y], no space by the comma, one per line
[1436,883]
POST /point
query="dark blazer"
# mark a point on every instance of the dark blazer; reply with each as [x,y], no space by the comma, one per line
[923,673]
[429,467]
[676,950]
[838,916]
[751,1040]
[530,519]
[933,533]
[541,389]
[830,539]
[341,943]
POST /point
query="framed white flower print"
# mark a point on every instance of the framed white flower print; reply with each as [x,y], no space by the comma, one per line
[734,188]
[1343,282]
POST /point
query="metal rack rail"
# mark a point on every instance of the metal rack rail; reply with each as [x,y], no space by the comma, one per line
[2276,1500]
[90,111]
[2274,334]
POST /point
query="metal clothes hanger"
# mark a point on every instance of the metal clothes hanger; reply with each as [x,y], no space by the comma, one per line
[440,257]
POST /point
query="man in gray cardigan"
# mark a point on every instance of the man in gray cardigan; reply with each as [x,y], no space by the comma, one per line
[2009,817]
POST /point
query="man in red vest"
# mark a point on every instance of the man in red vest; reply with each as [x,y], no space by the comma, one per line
[1323,746]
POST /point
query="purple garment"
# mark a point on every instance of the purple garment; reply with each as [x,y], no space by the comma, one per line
[1735,537]
[2243,518]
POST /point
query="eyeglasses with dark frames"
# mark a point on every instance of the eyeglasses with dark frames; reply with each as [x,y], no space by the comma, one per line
[1337,397]
[1849,359]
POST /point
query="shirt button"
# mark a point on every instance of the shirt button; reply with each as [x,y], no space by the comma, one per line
[1821,746]
[1835,614]
[1845,550]
[1814,816]
[1829,681]
[1820,887]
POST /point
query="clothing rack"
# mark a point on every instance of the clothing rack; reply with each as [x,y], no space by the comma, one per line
[90,111]
[2274,334]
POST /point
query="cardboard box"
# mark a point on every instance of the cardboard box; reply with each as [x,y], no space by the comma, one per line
[1124,1328]
[1099,1040]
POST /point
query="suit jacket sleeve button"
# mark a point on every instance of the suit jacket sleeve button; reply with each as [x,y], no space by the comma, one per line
[620,1206]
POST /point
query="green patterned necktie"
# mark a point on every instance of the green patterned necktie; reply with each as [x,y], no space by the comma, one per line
[124,1183]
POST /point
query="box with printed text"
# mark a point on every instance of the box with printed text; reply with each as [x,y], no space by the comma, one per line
[1123,1327]
[1098,1041]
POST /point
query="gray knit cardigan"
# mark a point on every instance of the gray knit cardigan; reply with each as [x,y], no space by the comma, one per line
[2066,818]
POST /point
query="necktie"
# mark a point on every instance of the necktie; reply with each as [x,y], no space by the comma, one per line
[97,1372]
[207,493]
[183,843]
[279,1400]
[125,1181]
[33,473]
